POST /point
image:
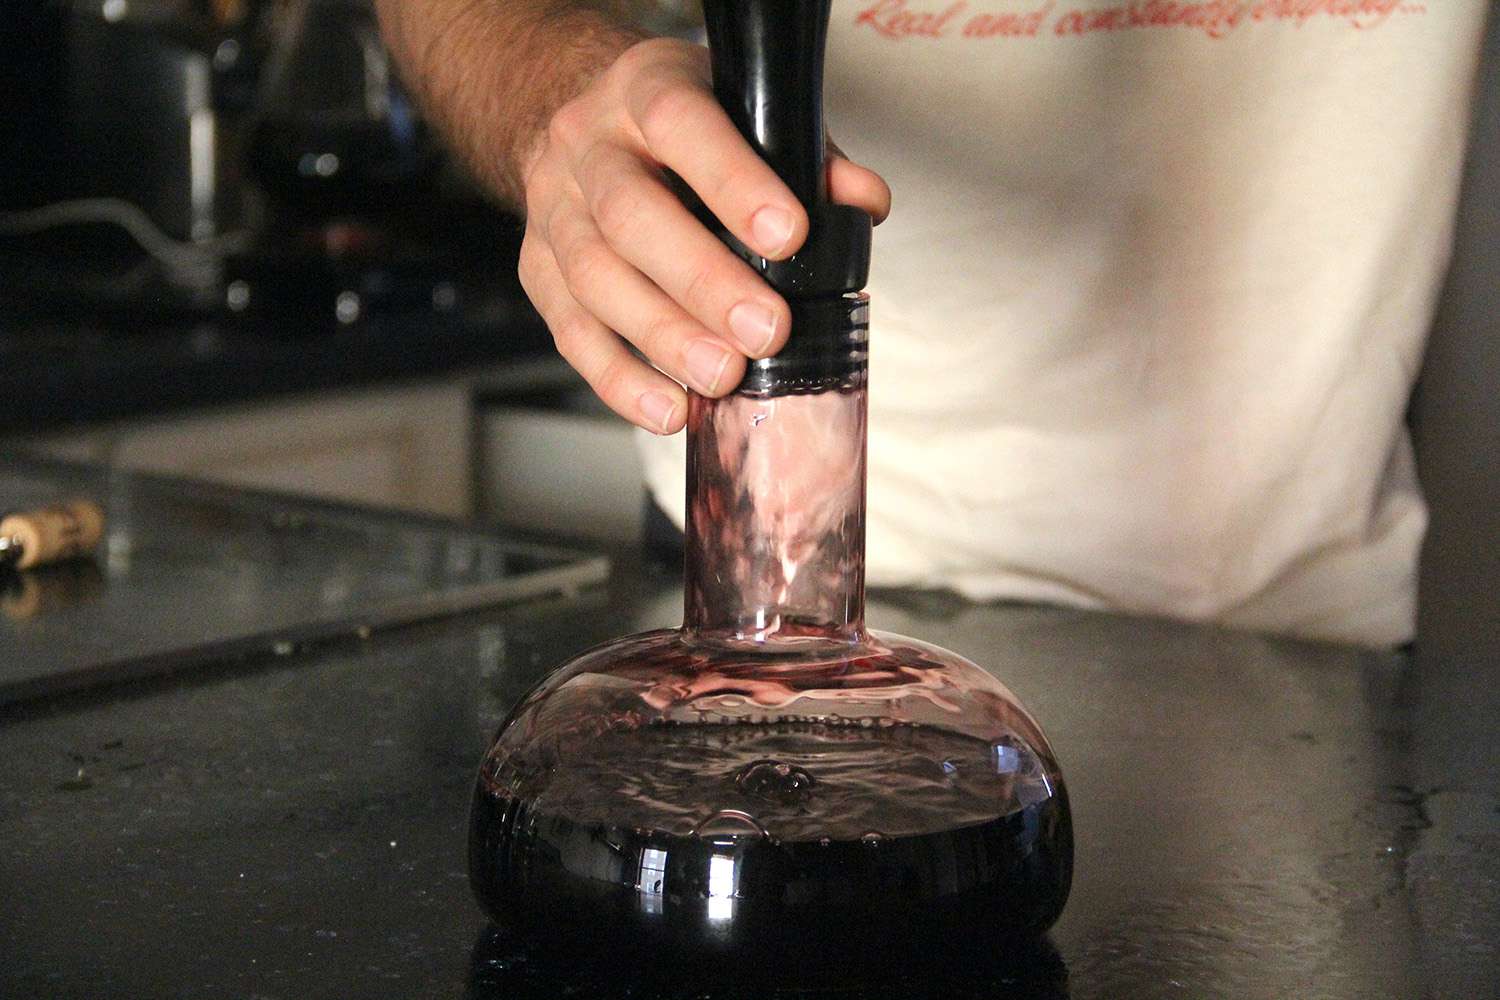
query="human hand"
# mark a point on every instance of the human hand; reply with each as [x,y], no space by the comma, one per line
[611,255]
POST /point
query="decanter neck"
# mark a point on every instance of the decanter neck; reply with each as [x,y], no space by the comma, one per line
[776,507]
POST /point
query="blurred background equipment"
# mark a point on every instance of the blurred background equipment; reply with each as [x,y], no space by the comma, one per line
[216,159]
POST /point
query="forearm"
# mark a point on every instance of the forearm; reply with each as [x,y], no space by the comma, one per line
[567,112]
[490,73]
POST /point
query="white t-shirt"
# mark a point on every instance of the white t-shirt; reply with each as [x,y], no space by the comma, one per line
[1148,310]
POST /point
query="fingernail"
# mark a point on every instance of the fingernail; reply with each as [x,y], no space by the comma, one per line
[705,361]
[772,228]
[657,409]
[753,325]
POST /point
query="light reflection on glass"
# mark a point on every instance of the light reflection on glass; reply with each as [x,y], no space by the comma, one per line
[650,881]
[721,878]
[1006,758]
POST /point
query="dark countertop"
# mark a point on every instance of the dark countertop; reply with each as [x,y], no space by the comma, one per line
[1256,818]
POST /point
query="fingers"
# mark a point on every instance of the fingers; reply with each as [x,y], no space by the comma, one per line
[625,301]
[649,228]
[610,252]
[851,184]
[627,385]
[683,127]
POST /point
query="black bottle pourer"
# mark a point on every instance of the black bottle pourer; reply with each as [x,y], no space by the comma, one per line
[767,58]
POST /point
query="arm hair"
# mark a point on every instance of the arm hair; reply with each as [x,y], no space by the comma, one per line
[490,73]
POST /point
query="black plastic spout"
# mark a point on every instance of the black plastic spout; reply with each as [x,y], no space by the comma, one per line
[768,74]
[767,58]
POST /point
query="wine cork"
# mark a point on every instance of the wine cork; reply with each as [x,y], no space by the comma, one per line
[49,534]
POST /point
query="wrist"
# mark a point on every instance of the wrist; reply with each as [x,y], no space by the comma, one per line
[574,50]
[490,75]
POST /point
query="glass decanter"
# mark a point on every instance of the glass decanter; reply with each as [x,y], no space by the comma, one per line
[773,782]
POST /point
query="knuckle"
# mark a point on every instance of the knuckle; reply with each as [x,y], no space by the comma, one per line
[568,124]
[666,109]
[647,58]
[737,180]
[583,263]
[550,220]
[617,210]
[591,168]
[611,378]
[653,335]
[531,266]
[702,284]
[571,336]
[635,59]
[663,334]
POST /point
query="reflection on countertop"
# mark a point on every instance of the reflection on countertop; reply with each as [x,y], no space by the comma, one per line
[501,968]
